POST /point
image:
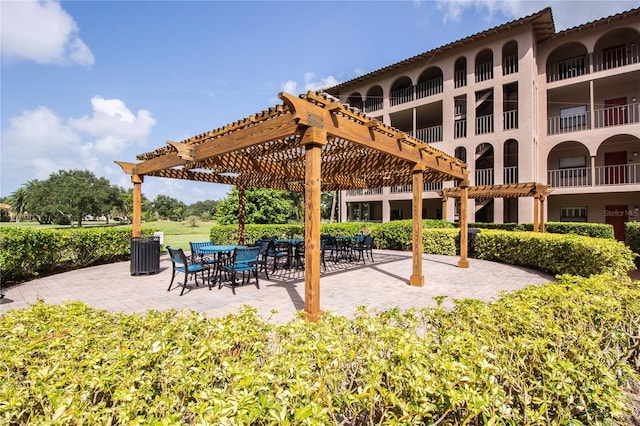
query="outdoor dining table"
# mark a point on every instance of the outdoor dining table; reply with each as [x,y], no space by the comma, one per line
[219,250]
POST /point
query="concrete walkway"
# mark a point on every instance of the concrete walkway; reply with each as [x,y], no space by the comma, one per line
[343,287]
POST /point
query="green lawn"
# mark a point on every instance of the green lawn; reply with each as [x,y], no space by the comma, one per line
[176,234]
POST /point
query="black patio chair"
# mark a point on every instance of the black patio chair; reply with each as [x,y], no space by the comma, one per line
[263,255]
[197,256]
[180,264]
[364,248]
[244,259]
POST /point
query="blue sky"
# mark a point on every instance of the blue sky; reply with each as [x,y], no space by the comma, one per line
[85,83]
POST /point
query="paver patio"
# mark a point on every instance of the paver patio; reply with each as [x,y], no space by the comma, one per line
[380,285]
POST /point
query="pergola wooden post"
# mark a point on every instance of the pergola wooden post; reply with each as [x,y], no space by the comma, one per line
[313,139]
[242,201]
[137,204]
[542,218]
[464,237]
[536,211]
[417,278]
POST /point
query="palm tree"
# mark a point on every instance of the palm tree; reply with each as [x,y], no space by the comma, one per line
[20,198]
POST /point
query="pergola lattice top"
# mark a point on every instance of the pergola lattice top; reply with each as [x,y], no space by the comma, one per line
[516,190]
[267,150]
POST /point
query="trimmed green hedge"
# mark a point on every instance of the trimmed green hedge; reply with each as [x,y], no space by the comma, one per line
[561,353]
[25,252]
[596,230]
[632,238]
[555,253]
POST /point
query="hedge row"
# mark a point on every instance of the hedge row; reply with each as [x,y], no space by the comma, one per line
[555,253]
[633,238]
[596,230]
[25,252]
[562,353]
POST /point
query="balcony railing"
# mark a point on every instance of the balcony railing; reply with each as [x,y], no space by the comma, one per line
[484,124]
[579,176]
[614,58]
[429,134]
[372,104]
[484,71]
[428,186]
[622,174]
[364,191]
[510,119]
[617,115]
[460,78]
[509,64]
[401,96]
[460,129]
[568,124]
[511,174]
[484,177]
[568,68]
[429,88]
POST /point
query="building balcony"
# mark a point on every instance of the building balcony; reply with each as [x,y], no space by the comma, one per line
[484,177]
[429,134]
[510,175]
[429,88]
[622,174]
[484,124]
[364,191]
[509,64]
[510,119]
[371,105]
[600,61]
[460,79]
[484,72]
[460,129]
[401,96]
[426,187]
[619,115]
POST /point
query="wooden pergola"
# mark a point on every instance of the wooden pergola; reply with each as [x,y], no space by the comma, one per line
[310,143]
[538,191]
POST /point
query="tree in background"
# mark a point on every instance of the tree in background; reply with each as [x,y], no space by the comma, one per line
[169,208]
[19,199]
[205,210]
[262,206]
[71,194]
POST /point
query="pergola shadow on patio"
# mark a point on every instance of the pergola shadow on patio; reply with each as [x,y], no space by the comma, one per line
[310,143]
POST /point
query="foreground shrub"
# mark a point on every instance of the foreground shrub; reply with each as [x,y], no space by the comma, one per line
[562,353]
[558,254]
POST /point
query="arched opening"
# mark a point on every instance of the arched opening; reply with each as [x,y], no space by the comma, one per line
[567,61]
[374,99]
[618,161]
[460,72]
[401,91]
[568,165]
[430,83]
[461,153]
[510,58]
[355,100]
[484,164]
[616,49]
[511,161]
[484,65]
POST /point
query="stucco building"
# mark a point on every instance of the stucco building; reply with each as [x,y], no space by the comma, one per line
[519,103]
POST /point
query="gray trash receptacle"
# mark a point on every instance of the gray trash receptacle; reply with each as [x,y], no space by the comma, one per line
[145,255]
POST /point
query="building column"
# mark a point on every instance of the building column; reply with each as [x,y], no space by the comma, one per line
[386,210]
[137,204]
[417,278]
[593,170]
[444,208]
[313,139]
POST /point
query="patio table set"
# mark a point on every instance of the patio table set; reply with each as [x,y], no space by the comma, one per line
[221,264]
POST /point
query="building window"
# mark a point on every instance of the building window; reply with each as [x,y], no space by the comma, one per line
[573,214]
[571,167]
[574,117]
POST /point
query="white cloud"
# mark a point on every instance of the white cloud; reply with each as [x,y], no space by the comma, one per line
[38,142]
[43,32]
[290,87]
[311,84]
[566,13]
